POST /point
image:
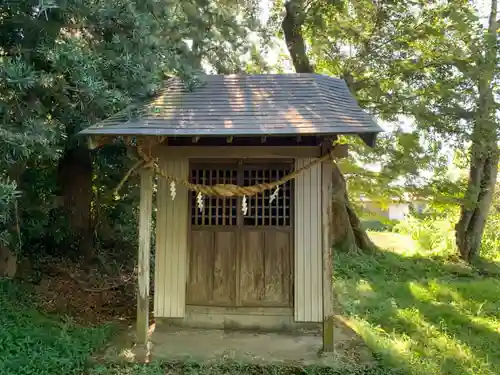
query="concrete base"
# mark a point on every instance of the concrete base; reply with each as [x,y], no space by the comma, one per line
[258,319]
[169,343]
[206,345]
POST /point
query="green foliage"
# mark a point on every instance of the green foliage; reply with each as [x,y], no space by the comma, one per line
[66,65]
[8,194]
[434,232]
[377,225]
[32,343]
[413,65]
[411,309]
[490,245]
[434,235]
[116,219]
[429,69]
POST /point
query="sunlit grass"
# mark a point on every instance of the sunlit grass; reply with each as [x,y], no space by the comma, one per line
[398,243]
[419,312]
[422,315]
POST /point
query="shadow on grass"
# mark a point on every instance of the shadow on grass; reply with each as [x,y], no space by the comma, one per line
[392,266]
[35,343]
[423,315]
[228,367]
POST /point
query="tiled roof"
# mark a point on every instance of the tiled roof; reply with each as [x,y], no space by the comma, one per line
[245,105]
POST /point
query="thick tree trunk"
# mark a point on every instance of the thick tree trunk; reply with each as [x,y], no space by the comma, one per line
[347,231]
[484,154]
[475,209]
[75,179]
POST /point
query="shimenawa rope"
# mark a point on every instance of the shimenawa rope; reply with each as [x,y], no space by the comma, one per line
[218,190]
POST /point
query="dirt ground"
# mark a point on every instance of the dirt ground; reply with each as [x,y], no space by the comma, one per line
[90,300]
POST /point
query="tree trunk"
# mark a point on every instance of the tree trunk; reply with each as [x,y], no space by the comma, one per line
[75,179]
[484,154]
[477,204]
[347,231]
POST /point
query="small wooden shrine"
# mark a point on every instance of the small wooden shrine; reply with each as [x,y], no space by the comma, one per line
[243,198]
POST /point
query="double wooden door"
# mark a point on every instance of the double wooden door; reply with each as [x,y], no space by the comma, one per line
[241,258]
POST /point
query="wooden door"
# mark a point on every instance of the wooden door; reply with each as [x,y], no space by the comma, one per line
[213,242]
[238,259]
[266,274]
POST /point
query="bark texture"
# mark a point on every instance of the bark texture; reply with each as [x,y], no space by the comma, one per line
[347,232]
[484,153]
[75,180]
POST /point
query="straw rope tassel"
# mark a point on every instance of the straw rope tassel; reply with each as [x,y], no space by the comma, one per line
[218,190]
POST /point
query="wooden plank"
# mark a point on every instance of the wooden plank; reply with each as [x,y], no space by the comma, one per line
[278,270]
[171,242]
[224,269]
[341,151]
[161,251]
[326,218]
[145,211]
[315,258]
[226,152]
[201,250]
[298,242]
[176,233]
[265,269]
[212,268]
[252,268]
[307,245]
[240,310]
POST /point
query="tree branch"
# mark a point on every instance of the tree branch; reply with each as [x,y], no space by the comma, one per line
[347,231]
[291,25]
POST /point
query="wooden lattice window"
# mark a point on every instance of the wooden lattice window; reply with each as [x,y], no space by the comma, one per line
[261,210]
[216,211]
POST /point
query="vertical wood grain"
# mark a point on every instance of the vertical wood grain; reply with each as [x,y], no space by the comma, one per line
[277,268]
[252,268]
[327,269]
[201,253]
[171,242]
[224,268]
[212,268]
[308,297]
[265,271]
[145,211]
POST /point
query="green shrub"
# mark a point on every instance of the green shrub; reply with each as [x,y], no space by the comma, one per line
[378,225]
[33,343]
[490,245]
[435,235]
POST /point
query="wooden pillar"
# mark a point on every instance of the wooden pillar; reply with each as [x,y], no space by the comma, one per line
[145,212]
[326,220]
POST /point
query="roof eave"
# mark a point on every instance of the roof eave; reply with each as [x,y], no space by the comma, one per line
[368,137]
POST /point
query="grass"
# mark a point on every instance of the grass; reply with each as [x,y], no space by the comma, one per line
[32,343]
[224,368]
[420,313]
